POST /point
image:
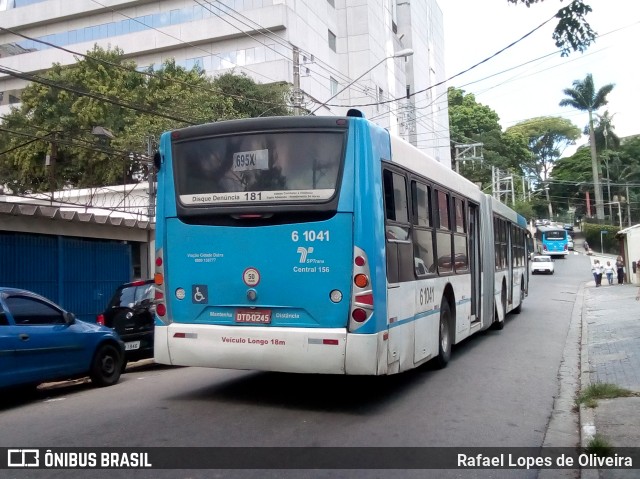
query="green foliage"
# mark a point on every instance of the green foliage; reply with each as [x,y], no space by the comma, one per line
[547,138]
[597,391]
[584,97]
[571,178]
[600,446]
[525,208]
[104,89]
[573,32]
[472,122]
[610,244]
[251,99]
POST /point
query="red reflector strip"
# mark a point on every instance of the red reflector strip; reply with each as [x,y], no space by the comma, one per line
[185,335]
[330,342]
[365,299]
[385,335]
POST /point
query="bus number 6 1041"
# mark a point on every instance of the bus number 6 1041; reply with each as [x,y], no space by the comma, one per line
[311,235]
[426,295]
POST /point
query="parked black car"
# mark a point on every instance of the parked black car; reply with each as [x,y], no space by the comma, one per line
[131,314]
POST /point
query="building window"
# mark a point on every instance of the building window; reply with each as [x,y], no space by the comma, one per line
[333,86]
[332,40]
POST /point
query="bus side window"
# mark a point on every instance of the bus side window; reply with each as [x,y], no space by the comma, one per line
[422,229]
[400,262]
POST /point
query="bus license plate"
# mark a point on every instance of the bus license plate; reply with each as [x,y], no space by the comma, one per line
[257,316]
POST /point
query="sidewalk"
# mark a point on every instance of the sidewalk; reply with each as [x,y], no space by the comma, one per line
[610,353]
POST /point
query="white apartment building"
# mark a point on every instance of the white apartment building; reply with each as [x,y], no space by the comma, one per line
[324,48]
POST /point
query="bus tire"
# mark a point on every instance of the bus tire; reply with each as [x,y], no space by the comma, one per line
[497,324]
[518,309]
[444,337]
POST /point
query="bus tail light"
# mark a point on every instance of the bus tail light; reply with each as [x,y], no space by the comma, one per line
[160,294]
[362,300]
[359,315]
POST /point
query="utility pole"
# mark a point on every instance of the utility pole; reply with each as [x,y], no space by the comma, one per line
[50,164]
[151,210]
[628,204]
[468,152]
[496,186]
[296,81]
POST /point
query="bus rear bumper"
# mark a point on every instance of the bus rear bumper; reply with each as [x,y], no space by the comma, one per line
[296,350]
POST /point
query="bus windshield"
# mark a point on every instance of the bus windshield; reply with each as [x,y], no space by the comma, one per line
[258,168]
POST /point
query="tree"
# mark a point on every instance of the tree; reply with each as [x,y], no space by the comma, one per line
[570,179]
[584,97]
[572,32]
[547,138]
[252,99]
[58,113]
[605,135]
[472,122]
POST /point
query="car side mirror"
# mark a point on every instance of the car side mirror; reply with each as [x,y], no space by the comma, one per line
[69,318]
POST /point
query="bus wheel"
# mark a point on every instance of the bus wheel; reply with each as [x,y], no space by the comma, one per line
[518,309]
[497,324]
[444,341]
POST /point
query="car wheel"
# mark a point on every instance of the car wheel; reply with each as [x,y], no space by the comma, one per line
[106,366]
[444,341]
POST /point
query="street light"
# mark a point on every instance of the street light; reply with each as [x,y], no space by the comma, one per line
[407,52]
[602,232]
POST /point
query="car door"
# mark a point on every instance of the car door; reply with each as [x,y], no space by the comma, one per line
[9,366]
[47,346]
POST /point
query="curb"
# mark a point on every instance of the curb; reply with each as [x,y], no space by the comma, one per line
[587,420]
[563,429]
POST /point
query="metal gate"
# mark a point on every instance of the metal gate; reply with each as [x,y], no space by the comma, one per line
[78,274]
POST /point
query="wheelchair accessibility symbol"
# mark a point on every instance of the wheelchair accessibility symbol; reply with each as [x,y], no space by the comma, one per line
[199,293]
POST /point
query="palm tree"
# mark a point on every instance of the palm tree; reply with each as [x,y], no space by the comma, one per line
[583,97]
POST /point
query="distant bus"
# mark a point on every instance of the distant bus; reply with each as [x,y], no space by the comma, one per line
[552,241]
[324,245]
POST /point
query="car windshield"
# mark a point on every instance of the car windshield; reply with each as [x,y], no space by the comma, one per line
[542,259]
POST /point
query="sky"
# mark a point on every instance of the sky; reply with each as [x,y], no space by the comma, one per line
[476,29]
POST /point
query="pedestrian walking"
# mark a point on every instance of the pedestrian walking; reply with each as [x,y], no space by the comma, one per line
[620,268]
[586,247]
[597,269]
[608,271]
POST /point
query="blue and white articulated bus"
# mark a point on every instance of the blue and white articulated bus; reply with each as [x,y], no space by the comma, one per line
[324,245]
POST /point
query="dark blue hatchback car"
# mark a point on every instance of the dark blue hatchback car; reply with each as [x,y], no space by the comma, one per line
[40,342]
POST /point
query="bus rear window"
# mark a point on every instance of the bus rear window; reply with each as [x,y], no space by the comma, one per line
[555,235]
[258,168]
